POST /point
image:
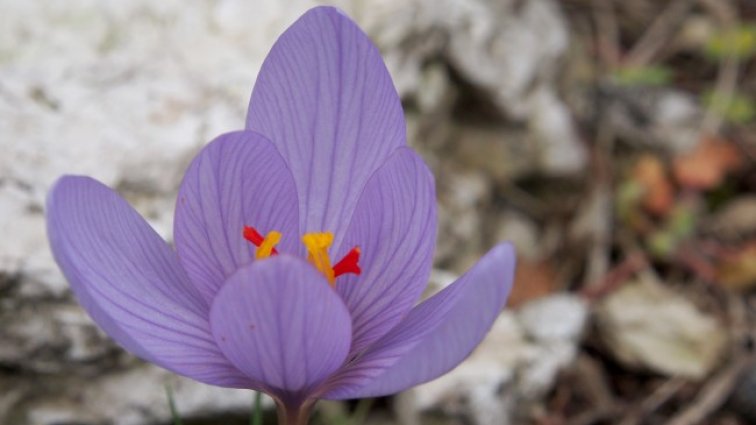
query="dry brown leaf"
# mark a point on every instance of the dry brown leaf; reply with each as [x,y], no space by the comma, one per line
[707,165]
[736,220]
[532,280]
[645,324]
[738,271]
[658,193]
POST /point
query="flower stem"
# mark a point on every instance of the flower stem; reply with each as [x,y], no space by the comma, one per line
[172,405]
[294,415]
[256,418]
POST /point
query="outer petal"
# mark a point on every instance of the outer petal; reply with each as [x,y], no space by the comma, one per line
[281,324]
[436,336]
[395,226]
[238,179]
[325,98]
[131,282]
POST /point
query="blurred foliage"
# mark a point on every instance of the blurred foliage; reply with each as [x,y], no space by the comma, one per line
[342,417]
[735,109]
[651,75]
[738,42]
[679,226]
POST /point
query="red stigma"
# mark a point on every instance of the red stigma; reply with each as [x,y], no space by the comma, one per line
[251,234]
[348,264]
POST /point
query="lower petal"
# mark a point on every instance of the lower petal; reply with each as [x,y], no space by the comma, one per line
[279,322]
[436,335]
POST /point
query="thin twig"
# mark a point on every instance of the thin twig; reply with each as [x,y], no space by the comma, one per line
[713,394]
[655,37]
[616,277]
[607,33]
[600,202]
[659,397]
[727,74]
[596,388]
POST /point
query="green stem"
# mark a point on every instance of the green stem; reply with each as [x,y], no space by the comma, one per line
[256,418]
[172,405]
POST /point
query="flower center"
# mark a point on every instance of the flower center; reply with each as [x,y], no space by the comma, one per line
[317,245]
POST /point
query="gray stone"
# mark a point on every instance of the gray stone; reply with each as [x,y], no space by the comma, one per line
[516,364]
[509,50]
[559,317]
[662,118]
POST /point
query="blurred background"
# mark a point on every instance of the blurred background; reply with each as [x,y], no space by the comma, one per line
[613,141]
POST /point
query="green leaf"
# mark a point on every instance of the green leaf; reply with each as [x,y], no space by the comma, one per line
[682,222]
[172,405]
[738,109]
[652,75]
[662,244]
[738,42]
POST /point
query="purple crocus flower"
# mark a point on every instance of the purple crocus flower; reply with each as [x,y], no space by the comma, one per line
[251,298]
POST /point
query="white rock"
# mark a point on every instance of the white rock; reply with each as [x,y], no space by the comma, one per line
[109,90]
[127,92]
[551,123]
[491,366]
[138,396]
[517,362]
[663,118]
[560,317]
[522,231]
[509,49]
[675,119]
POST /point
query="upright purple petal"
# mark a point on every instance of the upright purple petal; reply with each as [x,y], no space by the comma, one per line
[237,180]
[281,324]
[326,100]
[130,282]
[436,336]
[394,225]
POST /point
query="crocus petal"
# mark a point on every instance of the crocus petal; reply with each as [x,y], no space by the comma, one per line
[280,323]
[237,180]
[394,225]
[436,336]
[130,282]
[325,98]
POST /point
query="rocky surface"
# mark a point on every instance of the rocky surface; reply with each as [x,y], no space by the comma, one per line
[129,91]
[515,365]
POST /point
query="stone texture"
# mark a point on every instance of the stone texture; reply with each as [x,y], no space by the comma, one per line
[508,50]
[515,365]
[126,92]
[661,118]
[132,396]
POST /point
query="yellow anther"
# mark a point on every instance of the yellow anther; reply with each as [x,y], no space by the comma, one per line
[317,245]
[266,247]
